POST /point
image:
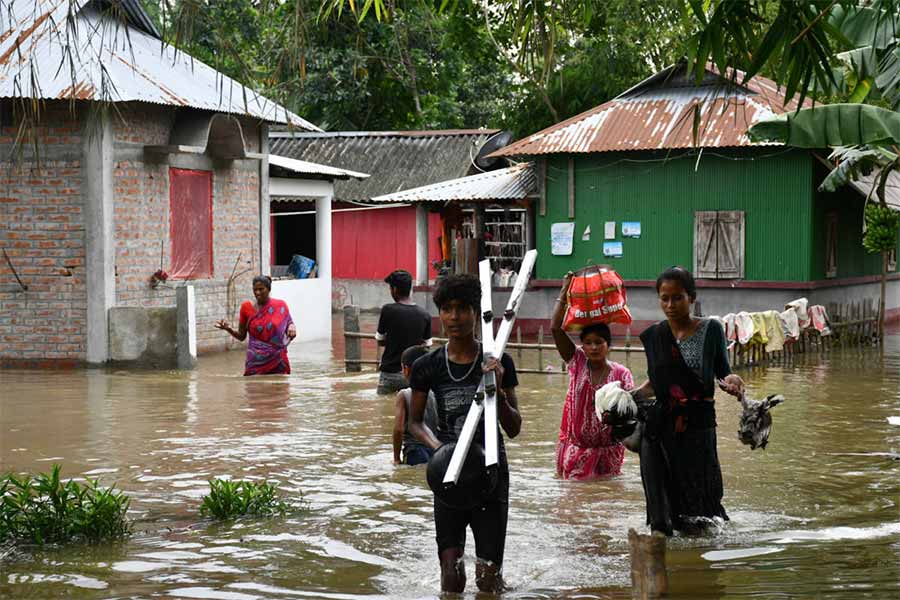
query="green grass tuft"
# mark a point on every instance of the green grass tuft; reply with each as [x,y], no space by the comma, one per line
[229,499]
[45,510]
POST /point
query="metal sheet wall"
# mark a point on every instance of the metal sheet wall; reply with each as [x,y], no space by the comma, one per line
[851,258]
[369,244]
[662,191]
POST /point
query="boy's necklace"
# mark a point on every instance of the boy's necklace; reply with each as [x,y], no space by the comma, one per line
[450,373]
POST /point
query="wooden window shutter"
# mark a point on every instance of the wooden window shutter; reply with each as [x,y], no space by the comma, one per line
[705,249]
[730,244]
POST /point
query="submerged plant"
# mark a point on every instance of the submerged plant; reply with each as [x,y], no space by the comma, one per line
[229,499]
[45,510]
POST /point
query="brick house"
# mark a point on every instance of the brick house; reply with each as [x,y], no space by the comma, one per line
[134,158]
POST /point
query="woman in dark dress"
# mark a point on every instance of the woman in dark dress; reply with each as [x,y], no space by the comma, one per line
[686,356]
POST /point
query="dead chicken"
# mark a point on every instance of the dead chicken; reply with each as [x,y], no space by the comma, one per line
[756,421]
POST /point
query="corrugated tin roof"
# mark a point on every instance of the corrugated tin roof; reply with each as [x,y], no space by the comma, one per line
[112,62]
[304,167]
[891,190]
[397,160]
[513,183]
[658,114]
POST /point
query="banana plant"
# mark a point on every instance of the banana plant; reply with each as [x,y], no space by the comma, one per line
[866,142]
[870,67]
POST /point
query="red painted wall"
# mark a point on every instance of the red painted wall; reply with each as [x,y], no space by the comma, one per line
[369,244]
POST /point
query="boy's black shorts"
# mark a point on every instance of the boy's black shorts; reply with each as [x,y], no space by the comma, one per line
[488,523]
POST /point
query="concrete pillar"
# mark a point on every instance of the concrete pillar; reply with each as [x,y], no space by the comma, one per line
[421,245]
[186,330]
[323,236]
[265,231]
[100,252]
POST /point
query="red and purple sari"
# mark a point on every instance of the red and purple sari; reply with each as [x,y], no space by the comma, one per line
[267,326]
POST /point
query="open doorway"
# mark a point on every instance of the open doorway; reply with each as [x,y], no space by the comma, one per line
[293,233]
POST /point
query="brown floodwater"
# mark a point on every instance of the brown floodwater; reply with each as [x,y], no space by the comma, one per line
[817,514]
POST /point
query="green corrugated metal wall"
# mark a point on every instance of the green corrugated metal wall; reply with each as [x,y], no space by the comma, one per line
[852,258]
[773,187]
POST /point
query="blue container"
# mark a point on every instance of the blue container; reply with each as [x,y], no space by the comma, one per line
[301,266]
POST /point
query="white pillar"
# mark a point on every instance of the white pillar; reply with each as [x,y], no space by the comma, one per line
[421,245]
[99,227]
[323,236]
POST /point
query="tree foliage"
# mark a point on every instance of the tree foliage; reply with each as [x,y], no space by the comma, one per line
[419,64]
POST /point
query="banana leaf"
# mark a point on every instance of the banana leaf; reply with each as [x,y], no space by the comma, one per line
[854,164]
[831,125]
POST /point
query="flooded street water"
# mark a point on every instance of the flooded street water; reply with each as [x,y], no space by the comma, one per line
[817,514]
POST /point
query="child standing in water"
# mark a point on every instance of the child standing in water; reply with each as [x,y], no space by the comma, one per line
[413,451]
[586,448]
[453,373]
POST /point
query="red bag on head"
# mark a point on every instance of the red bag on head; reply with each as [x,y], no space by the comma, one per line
[596,295]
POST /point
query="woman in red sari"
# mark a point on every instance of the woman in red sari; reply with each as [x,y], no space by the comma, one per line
[586,448]
[271,329]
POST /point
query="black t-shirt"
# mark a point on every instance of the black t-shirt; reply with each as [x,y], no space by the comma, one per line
[452,398]
[402,325]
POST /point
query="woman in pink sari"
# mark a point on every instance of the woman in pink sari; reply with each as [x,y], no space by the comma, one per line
[271,329]
[586,449]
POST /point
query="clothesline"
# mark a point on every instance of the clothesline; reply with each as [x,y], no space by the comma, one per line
[773,329]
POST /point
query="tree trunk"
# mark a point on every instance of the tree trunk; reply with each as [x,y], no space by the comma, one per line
[881,300]
[648,565]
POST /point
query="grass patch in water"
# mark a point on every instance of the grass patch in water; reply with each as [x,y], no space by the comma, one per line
[229,499]
[46,510]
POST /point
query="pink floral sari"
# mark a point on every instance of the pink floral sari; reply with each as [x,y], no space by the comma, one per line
[586,449]
[267,327]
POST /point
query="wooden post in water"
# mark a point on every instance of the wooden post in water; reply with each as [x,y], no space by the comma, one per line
[648,565]
[519,342]
[541,348]
[352,345]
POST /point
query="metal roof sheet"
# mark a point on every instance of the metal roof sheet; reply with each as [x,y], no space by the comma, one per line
[397,160]
[304,167]
[865,184]
[114,61]
[658,114]
[513,183]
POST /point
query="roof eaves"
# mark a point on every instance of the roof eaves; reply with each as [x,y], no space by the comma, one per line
[349,134]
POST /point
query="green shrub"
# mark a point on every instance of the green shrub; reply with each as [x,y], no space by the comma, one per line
[229,499]
[45,510]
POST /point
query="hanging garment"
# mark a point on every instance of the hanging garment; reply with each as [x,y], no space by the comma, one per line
[819,319]
[745,327]
[774,331]
[799,306]
[791,325]
[730,327]
[760,336]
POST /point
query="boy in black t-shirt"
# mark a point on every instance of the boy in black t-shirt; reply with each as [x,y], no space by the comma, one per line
[453,373]
[401,324]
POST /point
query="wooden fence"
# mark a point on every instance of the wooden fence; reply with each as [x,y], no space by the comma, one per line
[853,324]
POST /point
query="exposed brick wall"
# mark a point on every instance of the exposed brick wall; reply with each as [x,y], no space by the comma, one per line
[142,225]
[42,231]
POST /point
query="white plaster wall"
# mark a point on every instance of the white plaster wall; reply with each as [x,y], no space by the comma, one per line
[309,301]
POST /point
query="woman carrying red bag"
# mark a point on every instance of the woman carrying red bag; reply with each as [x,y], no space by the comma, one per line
[586,449]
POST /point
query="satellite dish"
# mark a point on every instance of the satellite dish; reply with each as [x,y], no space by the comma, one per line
[494,143]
